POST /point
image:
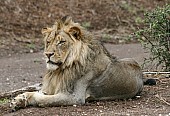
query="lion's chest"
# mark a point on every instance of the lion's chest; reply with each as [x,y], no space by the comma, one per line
[57,83]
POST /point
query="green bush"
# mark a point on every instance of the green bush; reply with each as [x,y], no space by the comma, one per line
[155,37]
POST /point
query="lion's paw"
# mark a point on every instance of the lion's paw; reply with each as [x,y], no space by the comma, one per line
[19,101]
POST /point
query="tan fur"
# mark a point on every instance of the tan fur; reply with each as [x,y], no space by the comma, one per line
[79,68]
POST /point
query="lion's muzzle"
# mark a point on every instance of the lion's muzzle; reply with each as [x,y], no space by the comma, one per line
[50,59]
[54,63]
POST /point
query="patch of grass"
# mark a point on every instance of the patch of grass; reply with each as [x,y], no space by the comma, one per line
[129,38]
[139,20]
[106,37]
[31,46]
[3,101]
[37,61]
[125,5]
[86,24]
[155,37]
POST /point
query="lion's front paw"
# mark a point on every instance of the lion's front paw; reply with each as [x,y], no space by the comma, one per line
[19,102]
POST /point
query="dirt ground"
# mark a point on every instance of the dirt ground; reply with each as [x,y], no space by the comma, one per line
[111,21]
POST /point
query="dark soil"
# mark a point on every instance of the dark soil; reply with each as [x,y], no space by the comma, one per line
[110,20]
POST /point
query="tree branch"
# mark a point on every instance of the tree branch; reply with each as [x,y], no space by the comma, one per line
[13,93]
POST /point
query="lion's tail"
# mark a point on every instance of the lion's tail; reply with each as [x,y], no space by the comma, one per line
[149,81]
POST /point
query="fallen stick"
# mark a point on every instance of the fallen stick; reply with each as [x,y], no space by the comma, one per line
[22,40]
[13,93]
[162,99]
[156,72]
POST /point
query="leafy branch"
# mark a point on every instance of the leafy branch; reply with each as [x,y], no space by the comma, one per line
[155,37]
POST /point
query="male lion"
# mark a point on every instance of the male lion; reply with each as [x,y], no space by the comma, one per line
[79,68]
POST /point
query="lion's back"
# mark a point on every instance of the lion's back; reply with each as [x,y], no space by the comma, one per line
[123,79]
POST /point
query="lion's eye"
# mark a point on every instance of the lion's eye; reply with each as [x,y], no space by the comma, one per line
[61,42]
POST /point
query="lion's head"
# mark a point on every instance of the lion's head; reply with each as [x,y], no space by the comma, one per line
[63,44]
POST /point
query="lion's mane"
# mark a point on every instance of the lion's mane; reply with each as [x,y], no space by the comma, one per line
[77,63]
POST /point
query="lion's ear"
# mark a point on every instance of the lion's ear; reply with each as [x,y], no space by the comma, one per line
[75,32]
[46,30]
[66,20]
[43,30]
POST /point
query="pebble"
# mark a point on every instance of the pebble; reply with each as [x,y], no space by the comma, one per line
[75,105]
[100,111]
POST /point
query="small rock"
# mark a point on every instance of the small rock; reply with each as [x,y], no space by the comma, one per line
[100,111]
[138,96]
[75,105]
[134,106]
[31,50]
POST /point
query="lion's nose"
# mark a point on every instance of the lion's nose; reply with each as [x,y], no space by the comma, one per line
[49,54]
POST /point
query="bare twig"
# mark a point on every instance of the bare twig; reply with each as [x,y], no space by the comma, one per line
[156,72]
[31,88]
[162,99]
[22,40]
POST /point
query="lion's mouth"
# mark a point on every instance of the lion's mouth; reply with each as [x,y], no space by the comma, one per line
[54,63]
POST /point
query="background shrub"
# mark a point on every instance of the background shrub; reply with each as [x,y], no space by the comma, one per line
[155,37]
